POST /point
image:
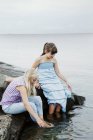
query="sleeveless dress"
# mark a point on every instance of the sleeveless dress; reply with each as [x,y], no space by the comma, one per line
[52,87]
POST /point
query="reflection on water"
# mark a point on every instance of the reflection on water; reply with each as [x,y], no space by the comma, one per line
[63,129]
[75,126]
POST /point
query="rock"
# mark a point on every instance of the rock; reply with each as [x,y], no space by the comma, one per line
[11,125]
[10,70]
[5,124]
[79,100]
[17,125]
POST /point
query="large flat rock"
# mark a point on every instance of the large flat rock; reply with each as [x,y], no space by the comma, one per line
[11,125]
[10,70]
[5,124]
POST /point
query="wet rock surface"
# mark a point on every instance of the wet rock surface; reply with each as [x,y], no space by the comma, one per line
[11,125]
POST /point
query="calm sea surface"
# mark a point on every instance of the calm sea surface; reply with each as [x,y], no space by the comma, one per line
[75,58]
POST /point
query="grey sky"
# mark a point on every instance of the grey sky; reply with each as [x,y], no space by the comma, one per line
[46,16]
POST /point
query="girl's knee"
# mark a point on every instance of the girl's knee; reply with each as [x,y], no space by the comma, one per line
[52,108]
[33,106]
[38,99]
[35,99]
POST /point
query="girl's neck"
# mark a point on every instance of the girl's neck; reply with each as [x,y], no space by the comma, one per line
[45,59]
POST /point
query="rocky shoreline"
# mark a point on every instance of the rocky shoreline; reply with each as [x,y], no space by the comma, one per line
[12,125]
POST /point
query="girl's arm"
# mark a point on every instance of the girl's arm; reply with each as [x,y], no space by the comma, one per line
[34,66]
[27,105]
[36,63]
[10,79]
[60,75]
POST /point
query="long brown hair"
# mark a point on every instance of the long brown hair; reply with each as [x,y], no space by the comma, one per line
[49,47]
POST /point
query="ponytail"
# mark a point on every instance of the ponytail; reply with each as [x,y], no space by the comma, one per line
[44,49]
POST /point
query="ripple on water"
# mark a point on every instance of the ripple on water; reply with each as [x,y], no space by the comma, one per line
[74,127]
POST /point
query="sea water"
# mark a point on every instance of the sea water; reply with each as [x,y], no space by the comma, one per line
[75,59]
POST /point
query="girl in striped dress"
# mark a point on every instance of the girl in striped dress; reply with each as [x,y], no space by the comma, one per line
[49,79]
[20,96]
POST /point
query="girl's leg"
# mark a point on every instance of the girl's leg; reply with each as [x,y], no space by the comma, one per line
[17,108]
[58,108]
[61,106]
[51,108]
[51,111]
[38,102]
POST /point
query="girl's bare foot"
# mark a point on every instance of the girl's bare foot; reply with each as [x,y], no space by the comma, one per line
[50,117]
[58,115]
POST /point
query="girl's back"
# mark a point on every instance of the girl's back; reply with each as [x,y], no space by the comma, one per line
[11,94]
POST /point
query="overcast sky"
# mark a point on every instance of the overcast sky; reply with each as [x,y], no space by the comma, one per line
[46,16]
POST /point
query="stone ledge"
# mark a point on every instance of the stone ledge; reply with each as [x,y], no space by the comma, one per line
[5,124]
[11,125]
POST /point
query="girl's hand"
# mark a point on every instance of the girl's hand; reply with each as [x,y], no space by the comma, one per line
[69,87]
[41,123]
[44,124]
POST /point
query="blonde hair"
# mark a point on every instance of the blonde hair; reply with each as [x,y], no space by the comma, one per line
[30,74]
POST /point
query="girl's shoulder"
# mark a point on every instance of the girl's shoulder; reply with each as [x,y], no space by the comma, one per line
[42,59]
[39,59]
[54,60]
[19,81]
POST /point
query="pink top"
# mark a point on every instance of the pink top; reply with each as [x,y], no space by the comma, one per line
[11,94]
